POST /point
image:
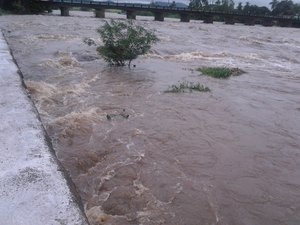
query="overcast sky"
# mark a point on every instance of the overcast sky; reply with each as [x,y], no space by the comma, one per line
[252,2]
[259,2]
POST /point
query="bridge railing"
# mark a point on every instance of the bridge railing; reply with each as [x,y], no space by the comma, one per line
[168,9]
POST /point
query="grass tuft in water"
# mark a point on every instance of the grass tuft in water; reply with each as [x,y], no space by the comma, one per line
[2,12]
[220,72]
[187,86]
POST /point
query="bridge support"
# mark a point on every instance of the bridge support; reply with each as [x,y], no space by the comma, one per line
[100,13]
[185,17]
[130,14]
[159,16]
[249,22]
[296,24]
[267,22]
[65,11]
[208,19]
[284,23]
[229,20]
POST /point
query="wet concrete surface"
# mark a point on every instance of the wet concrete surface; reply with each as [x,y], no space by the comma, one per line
[33,187]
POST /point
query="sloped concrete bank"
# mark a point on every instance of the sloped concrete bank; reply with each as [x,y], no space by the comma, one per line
[34,189]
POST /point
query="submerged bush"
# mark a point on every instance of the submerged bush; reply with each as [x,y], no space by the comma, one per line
[187,86]
[124,42]
[220,72]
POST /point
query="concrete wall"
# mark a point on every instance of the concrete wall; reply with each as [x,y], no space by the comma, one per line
[33,186]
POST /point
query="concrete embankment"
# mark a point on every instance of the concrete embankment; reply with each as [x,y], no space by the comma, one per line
[33,186]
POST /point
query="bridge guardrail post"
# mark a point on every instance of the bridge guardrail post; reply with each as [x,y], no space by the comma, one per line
[208,19]
[100,13]
[64,11]
[185,17]
[131,14]
[159,16]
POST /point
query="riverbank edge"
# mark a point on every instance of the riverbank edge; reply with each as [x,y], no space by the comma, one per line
[34,186]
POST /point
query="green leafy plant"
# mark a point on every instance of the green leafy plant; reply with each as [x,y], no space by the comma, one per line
[23,6]
[124,42]
[220,72]
[187,86]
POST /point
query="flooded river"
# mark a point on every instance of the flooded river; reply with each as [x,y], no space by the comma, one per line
[227,157]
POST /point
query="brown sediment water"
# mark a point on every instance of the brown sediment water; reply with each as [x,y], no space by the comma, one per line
[227,157]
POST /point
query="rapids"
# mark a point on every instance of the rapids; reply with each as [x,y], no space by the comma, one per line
[227,157]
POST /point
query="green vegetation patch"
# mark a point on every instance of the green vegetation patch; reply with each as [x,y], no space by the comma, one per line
[3,12]
[187,86]
[123,42]
[220,72]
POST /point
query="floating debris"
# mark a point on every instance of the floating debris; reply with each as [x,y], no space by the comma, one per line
[123,115]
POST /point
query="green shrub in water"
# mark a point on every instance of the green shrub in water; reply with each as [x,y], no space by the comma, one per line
[124,42]
[187,86]
[220,72]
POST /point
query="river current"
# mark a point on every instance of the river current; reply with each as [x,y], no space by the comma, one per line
[226,157]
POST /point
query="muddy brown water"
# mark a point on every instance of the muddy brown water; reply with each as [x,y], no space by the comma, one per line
[227,157]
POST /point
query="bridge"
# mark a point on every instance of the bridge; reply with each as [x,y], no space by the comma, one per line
[160,12]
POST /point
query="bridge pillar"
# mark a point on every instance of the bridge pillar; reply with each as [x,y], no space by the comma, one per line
[284,23]
[100,13]
[130,14]
[249,21]
[159,16]
[296,23]
[65,11]
[267,22]
[229,20]
[208,19]
[185,17]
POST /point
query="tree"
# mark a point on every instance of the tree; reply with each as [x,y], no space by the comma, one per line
[173,4]
[246,8]
[297,10]
[228,4]
[240,7]
[256,10]
[273,4]
[285,7]
[198,4]
[263,10]
[224,6]
[124,41]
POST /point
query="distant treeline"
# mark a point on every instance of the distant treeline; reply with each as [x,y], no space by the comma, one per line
[278,8]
